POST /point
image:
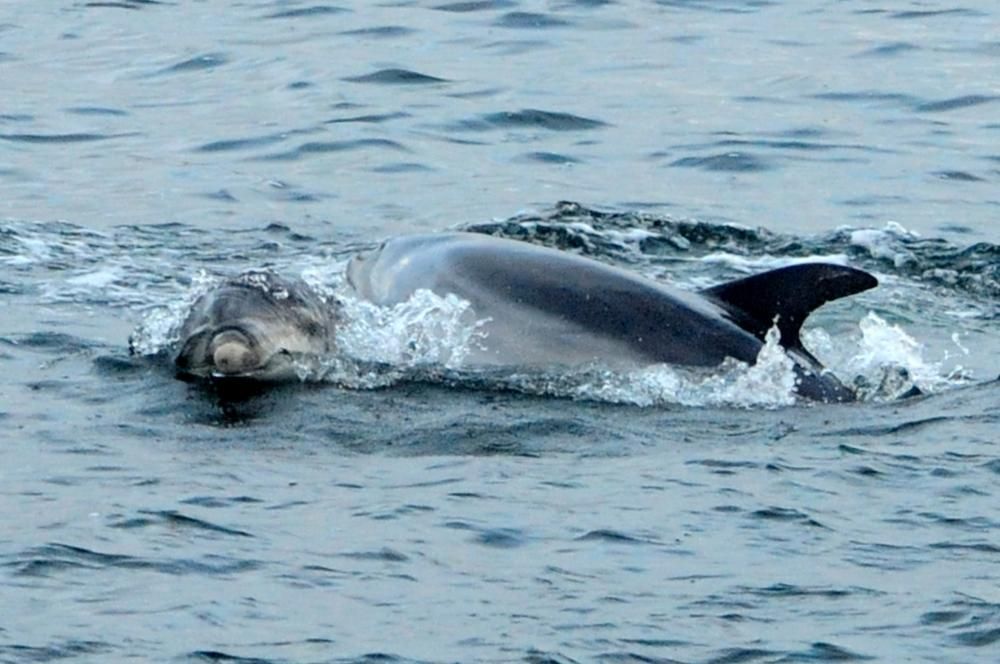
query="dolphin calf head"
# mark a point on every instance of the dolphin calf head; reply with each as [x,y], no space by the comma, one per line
[256,325]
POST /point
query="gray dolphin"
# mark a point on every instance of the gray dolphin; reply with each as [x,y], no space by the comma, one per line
[547,307]
[257,325]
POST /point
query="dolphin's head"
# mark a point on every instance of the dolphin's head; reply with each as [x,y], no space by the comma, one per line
[258,326]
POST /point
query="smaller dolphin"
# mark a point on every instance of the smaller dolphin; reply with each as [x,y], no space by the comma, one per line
[257,325]
[545,307]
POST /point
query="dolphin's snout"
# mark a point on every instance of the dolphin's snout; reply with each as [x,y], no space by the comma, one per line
[233,353]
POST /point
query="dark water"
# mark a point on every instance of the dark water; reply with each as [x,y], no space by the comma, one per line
[428,515]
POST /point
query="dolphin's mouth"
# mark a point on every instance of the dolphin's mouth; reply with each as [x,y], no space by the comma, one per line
[277,367]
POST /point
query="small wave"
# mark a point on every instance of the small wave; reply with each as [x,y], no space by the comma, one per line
[549,158]
[61,138]
[96,110]
[531,118]
[954,103]
[309,12]
[198,63]
[729,161]
[176,520]
[935,13]
[466,6]
[323,147]
[97,650]
[124,4]
[613,537]
[374,118]
[396,77]
[242,143]
[890,50]
[531,20]
[51,558]
[380,32]
[384,554]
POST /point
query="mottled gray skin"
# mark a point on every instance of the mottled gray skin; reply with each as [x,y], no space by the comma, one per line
[257,326]
[546,307]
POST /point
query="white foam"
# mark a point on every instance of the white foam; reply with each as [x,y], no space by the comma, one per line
[760,263]
[885,244]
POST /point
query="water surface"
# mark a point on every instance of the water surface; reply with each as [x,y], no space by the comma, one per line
[442,517]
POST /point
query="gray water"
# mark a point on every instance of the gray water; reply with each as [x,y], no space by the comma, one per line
[434,516]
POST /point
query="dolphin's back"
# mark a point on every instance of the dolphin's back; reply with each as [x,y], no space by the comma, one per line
[551,307]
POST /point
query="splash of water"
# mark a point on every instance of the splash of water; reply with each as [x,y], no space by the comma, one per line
[768,383]
[884,361]
[380,345]
[160,328]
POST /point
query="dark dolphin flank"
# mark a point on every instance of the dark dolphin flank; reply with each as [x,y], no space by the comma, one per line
[396,77]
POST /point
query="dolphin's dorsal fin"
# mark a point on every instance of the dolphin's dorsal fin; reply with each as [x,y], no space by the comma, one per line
[787,296]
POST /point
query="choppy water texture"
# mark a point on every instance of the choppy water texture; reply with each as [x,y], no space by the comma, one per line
[416,513]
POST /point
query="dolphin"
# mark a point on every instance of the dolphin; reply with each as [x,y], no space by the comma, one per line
[540,306]
[257,325]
